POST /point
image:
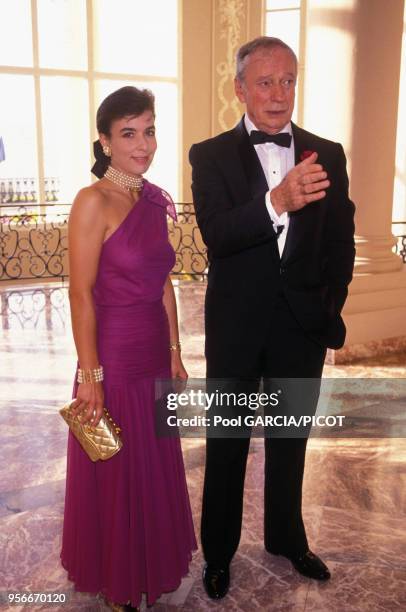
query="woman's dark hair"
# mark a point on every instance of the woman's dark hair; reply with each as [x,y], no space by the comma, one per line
[126,101]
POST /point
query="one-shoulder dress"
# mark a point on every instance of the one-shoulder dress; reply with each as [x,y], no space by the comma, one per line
[128,527]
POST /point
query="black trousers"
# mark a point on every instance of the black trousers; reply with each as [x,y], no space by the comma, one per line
[288,352]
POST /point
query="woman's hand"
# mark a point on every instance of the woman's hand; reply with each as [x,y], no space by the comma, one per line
[177,367]
[179,374]
[89,403]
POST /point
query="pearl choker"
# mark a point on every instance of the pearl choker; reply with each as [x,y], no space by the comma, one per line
[126,181]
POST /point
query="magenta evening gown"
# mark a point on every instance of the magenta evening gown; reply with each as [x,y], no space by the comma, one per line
[128,526]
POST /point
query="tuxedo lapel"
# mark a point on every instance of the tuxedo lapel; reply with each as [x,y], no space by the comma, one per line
[297,221]
[253,171]
[254,174]
[299,142]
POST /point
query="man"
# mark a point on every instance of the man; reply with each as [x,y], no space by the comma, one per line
[272,205]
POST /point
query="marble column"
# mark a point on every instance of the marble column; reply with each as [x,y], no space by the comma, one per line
[351,70]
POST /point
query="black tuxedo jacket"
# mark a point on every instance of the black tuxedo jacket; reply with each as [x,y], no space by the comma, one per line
[246,273]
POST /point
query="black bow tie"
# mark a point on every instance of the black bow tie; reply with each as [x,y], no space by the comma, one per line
[282,139]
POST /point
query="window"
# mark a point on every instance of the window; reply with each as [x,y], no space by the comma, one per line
[283,20]
[58,60]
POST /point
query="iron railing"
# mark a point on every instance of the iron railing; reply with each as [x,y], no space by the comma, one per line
[399,231]
[35,307]
[33,243]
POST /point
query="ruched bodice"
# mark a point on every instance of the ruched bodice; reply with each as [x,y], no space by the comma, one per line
[136,259]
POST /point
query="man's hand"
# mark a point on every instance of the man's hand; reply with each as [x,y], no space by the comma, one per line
[304,184]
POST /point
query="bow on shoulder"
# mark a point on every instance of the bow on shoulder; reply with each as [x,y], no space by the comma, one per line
[159,196]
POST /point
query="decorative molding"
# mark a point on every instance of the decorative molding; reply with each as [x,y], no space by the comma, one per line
[232,16]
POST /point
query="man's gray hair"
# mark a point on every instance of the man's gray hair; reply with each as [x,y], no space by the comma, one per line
[266,43]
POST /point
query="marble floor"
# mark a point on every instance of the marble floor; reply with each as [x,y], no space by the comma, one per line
[354,490]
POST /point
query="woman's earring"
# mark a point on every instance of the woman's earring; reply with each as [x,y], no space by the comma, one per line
[107,151]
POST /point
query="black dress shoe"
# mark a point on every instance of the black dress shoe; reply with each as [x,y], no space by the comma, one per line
[311,565]
[308,564]
[216,581]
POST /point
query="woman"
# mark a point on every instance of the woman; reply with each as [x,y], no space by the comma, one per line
[128,528]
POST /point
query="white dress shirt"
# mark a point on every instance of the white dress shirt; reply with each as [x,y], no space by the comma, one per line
[276,162]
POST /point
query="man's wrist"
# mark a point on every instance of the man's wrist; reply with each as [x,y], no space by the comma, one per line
[277,206]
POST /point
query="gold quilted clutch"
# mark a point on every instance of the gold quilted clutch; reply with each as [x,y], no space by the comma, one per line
[100,442]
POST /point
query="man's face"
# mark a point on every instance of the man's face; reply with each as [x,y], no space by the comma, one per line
[268,88]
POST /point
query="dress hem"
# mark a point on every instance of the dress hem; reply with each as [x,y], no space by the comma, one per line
[151,600]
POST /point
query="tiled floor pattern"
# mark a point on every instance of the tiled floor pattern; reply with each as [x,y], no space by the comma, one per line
[354,491]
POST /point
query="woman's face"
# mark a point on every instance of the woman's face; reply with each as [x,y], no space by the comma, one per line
[132,143]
